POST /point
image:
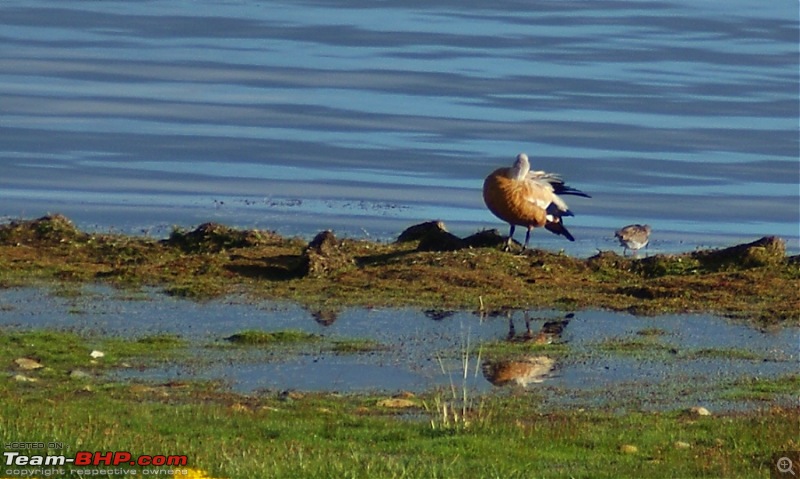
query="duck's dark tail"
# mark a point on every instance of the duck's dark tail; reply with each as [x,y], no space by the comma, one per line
[568,190]
[560,188]
[559,229]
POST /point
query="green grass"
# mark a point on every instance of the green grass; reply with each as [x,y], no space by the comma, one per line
[643,346]
[273,339]
[356,346]
[334,436]
[760,389]
[263,338]
[329,435]
[648,345]
[60,351]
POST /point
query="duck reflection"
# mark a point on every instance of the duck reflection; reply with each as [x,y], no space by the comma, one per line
[526,369]
[551,330]
[520,371]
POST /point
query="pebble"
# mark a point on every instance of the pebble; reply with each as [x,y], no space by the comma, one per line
[698,411]
[28,364]
[628,449]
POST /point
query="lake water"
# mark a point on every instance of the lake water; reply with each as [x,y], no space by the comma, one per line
[419,351]
[366,117]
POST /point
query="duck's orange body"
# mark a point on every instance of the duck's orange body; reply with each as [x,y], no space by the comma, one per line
[521,197]
[511,200]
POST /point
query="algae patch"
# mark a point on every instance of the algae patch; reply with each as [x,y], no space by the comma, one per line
[261,338]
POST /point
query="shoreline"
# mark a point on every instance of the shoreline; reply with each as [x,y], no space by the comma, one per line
[213,260]
[754,281]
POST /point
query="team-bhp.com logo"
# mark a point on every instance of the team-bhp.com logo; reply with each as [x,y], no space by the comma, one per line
[86,458]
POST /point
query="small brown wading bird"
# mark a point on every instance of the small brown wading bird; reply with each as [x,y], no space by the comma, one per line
[633,237]
[527,198]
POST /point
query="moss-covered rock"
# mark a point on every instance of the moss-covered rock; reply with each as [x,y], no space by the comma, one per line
[214,237]
[50,229]
[323,256]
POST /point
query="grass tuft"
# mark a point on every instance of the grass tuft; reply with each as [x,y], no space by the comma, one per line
[256,338]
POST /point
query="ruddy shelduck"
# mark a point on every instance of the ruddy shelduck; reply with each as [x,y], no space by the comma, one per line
[633,237]
[522,197]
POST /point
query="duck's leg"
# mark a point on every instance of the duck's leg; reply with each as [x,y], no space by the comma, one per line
[527,238]
[510,238]
[528,332]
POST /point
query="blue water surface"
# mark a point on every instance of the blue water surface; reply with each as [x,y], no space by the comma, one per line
[366,117]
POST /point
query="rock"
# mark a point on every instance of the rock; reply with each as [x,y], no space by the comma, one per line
[698,411]
[485,239]
[628,449]
[213,238]
[440,241]
[51,229]
[419,231]
[432,236]
[28,364]
[682,445]
[323,256]
[324,243]
[21,378]
[97,354]
[397,403]
[767,251]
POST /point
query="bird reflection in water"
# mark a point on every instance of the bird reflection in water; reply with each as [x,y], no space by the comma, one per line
[526,369]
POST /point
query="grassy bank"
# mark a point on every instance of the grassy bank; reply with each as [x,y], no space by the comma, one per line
[57,386]
[437,434]
[756,281]
[324,436]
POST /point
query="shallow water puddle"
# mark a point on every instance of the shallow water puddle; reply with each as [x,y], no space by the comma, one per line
[596,358]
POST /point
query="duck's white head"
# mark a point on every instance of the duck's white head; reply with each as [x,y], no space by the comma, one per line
[521,167]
